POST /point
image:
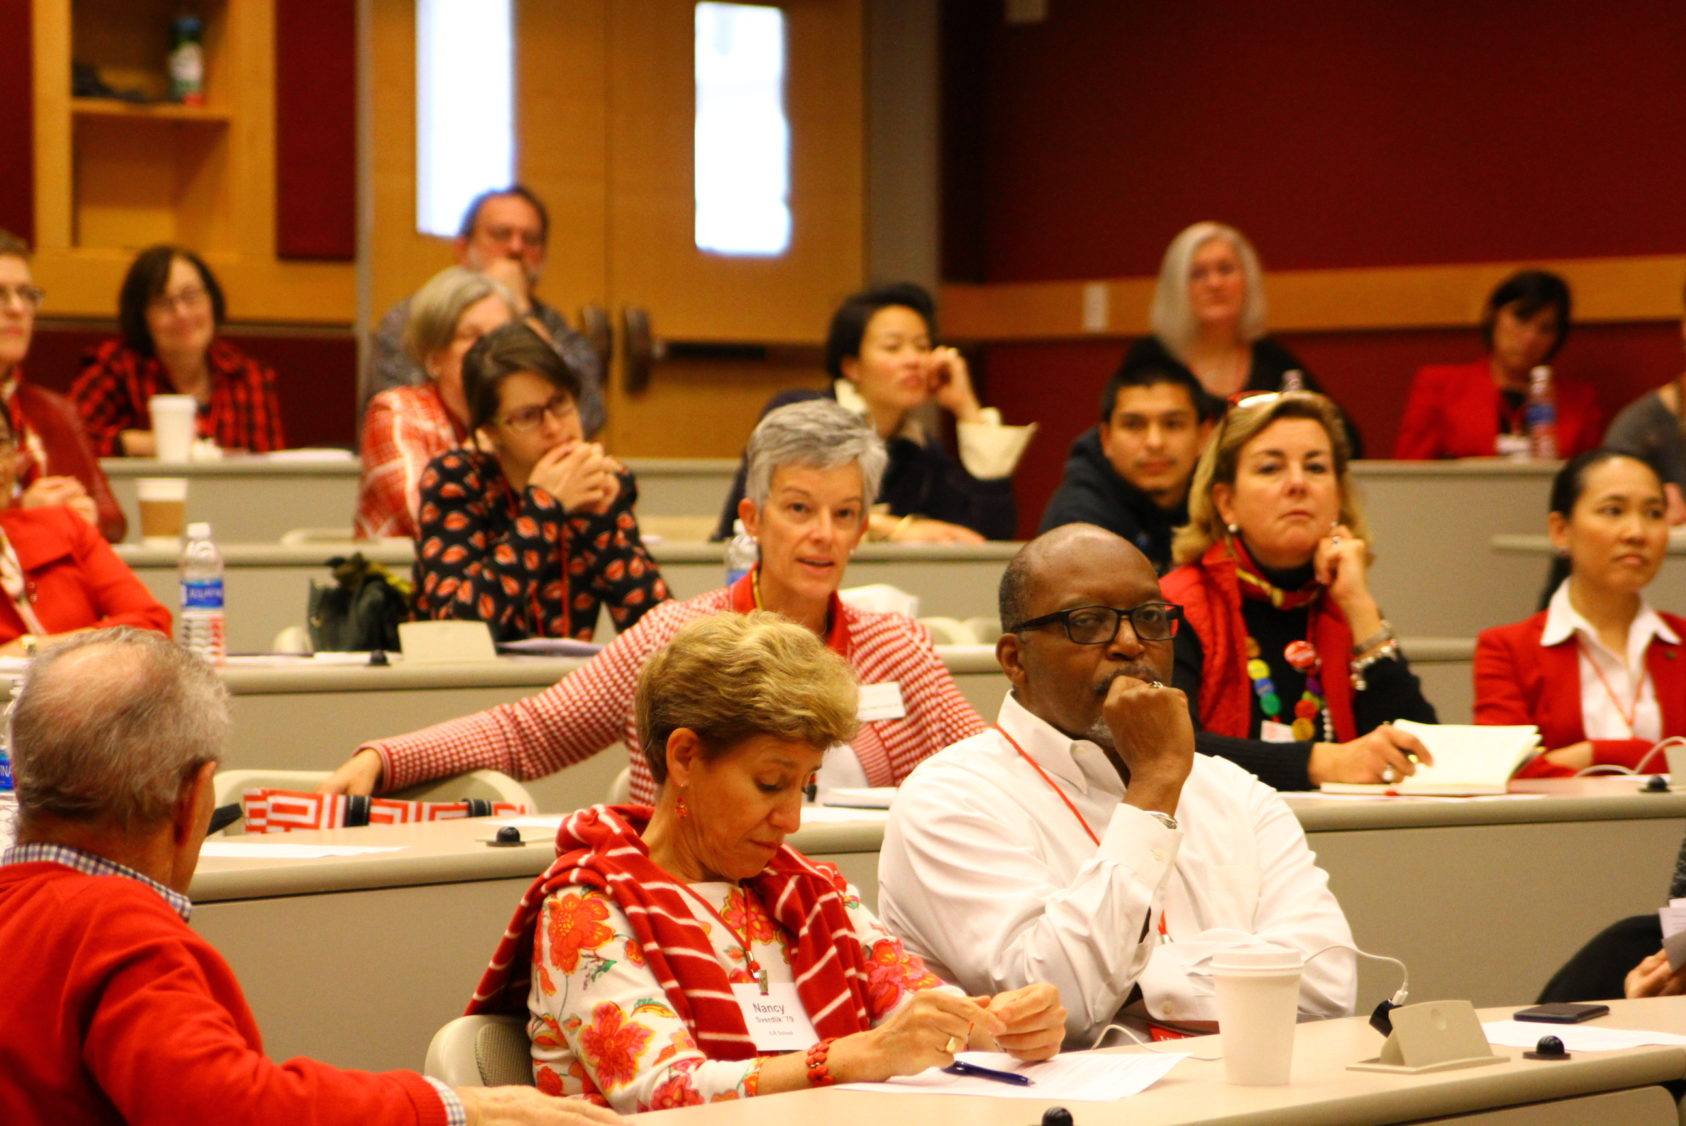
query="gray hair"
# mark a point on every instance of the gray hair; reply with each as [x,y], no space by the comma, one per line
[1173,320]
[109,724]
[819,434]
[436,306]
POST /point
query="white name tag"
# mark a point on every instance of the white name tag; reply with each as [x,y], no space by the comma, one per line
[881,701]
[1272,732]
[776,1020]
[1513,445]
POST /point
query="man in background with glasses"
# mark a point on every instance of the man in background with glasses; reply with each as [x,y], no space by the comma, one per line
[1081,840]
[504,235]
[56,463]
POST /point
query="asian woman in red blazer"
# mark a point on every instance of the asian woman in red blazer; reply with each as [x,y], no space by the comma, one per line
[1599,671]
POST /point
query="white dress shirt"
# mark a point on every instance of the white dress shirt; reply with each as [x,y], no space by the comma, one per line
[1601,716]
[989,877]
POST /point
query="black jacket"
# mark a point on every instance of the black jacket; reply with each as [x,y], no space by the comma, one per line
[1092,492]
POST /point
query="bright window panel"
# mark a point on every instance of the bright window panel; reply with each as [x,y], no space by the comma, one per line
[465,107]
[742,133]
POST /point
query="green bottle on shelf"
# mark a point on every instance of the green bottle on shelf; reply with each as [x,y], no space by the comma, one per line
[187,60]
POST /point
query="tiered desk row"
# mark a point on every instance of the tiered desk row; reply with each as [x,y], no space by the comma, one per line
[1472,894]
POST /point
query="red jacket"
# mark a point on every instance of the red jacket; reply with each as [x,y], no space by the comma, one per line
[74,578]
[114,1010]
[1210,596]
[44,417]
[1453,411]
[1518,680]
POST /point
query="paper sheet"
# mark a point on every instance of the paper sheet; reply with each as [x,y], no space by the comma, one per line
[551,646]
[551,821]
[838,815]
[253,850]
[1070,1076]
[1575,1037]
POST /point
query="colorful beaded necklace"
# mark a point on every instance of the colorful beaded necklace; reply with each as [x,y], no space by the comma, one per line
[1310,708]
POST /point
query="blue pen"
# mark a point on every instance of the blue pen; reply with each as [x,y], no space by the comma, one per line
[961,1067]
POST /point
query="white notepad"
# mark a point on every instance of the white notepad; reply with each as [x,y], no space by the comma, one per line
[1468,759]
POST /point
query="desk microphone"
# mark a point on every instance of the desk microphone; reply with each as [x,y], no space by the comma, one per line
[1381,1019]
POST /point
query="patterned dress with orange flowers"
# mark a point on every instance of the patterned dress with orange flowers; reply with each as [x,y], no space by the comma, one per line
[601,1026]
[521,563]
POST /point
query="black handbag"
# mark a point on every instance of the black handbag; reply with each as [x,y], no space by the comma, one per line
[359,609]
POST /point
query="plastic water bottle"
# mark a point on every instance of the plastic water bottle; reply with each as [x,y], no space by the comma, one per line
[742,553]
[8,795]
[200,627]
[1540,415]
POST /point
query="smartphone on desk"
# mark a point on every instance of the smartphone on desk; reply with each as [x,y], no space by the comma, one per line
[1562,1013]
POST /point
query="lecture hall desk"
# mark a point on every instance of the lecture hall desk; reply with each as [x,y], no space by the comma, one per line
[1482,899]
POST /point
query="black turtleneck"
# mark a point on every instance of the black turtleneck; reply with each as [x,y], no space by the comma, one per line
[1393,693]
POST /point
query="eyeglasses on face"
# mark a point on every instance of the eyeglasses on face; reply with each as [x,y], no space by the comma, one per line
[531,418]
[190,297]
[1098,625]
[29,296]
[505,232]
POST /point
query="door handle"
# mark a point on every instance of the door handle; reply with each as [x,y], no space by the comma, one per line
[642,348]
[599,332]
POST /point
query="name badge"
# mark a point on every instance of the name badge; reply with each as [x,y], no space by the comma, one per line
[1513,445]
[1272,732]
[776,1020]
[881,701]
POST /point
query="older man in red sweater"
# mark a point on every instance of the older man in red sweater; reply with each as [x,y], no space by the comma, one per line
[111,1008]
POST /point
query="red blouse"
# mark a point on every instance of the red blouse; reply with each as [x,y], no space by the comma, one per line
[1454,411]
[116,383]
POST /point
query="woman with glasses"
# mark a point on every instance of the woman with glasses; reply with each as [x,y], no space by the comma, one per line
[813,468]
[55,464]
[169,310]
[529,528]
[1209,321]
[58,576]
[1289,667]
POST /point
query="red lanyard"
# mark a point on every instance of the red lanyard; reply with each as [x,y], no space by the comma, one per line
[1075,812]
[755,970]
[1632,712]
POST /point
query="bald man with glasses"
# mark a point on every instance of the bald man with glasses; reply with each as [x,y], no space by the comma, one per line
[1081,840]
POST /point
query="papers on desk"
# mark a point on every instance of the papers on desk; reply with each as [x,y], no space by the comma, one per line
[1468,759]
[1070,1076]
[1674,932]
[1575,1037]
[813,814]
[253,850]
[551,646]
[308,455]
[859,797]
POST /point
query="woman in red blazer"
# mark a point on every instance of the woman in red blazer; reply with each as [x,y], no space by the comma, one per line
[1599,671]
[1476,409]
[58,575]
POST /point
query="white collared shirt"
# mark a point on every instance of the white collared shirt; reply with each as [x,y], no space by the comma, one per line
[989,877]
[1601,717]
[989,448]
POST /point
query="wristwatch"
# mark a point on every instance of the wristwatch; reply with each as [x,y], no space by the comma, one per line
[1164,819]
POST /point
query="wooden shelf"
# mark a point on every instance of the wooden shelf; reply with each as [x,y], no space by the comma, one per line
[92,108]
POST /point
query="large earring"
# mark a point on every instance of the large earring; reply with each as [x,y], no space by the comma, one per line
[680,809]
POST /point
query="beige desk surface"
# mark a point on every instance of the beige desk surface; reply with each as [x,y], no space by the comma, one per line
[268,584]
[1604,1086]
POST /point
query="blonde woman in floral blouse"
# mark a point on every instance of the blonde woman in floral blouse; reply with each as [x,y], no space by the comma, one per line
[659,957]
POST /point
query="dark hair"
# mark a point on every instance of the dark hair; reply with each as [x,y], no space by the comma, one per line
[148,274]
[848,324]
[505,351]
[1012,597]
[1570,482]
[1530,291]
[472,216]
[11,246]
[1151,375]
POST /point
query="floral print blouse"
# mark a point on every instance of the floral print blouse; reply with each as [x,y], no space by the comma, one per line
[601,1026]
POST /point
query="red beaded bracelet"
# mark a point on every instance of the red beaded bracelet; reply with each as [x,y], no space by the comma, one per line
[819,1075]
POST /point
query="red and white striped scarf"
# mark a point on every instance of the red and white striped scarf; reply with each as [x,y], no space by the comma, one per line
[602,848]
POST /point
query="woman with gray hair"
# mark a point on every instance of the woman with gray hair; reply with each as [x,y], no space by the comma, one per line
[407,427]
[813,469]
[1209,320]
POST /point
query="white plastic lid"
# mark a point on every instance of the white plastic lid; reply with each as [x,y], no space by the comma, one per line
[1257,963]
[199,530]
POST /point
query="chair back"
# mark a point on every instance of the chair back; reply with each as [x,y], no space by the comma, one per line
[620,790]
[481,1051]
[489,785]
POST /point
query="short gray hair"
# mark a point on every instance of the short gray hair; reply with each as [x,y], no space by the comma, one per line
[109,724]
[819,434]
[1173,320]
[436,306]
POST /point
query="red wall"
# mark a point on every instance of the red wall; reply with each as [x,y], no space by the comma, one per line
[1334,134]
[17,121]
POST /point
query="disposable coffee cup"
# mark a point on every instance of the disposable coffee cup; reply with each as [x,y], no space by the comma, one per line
[173,419]
[1258,1000]
[163,510]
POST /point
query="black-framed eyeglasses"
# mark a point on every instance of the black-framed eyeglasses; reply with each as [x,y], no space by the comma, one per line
[531,418]
[1098,625]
